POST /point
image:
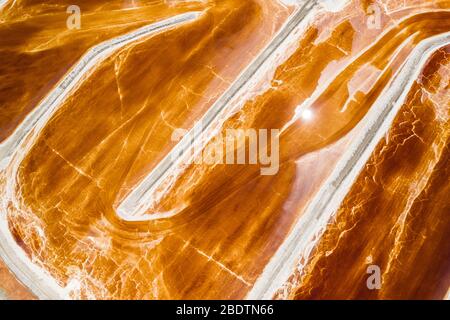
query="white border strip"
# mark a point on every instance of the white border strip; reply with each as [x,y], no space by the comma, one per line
[38,118]
[3,3]
[133,207]
[42,284]
[31,275]
[317,215]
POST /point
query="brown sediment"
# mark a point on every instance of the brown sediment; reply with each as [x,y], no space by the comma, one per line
[396,213]
[137,97]
[229,220]
[37,48]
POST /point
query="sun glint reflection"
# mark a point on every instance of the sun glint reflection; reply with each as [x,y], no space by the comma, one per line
[306,114]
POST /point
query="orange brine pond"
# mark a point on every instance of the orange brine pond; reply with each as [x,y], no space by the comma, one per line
[225,149]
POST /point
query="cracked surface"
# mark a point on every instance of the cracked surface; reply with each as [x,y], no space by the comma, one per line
[61,190]
[37,48]
[395,215]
